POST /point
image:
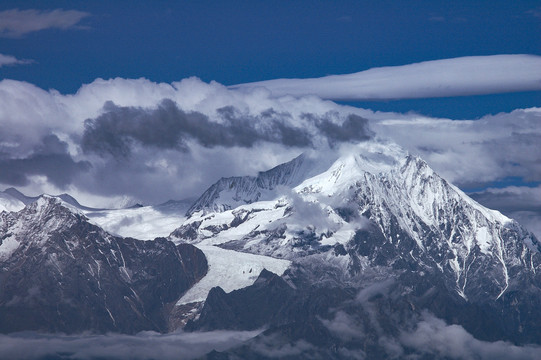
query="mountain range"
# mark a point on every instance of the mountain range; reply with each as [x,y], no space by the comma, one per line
[334,256]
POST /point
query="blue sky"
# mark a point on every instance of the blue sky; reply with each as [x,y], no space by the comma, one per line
[235,42]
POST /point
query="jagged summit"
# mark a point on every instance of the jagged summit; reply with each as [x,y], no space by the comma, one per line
[48,214]
[228,193]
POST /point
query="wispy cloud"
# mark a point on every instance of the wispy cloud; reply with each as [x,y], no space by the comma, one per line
[436,18]
[15,23]
[12,60]
[433,337]
[535,12]
[463,76]
[145,345]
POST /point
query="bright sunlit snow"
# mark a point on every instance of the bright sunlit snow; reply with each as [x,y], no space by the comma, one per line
[231,270]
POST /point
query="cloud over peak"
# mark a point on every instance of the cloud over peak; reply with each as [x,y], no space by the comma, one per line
[472,75]
[156,141]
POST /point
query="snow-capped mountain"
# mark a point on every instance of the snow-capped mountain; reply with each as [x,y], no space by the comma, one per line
[22,200]
[229,193]
[375,213]
[388,206]
[141,222]
[60,273]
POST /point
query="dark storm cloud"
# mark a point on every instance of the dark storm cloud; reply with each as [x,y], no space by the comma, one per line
[354,128]
[50,158]
[269,126]
[168,127]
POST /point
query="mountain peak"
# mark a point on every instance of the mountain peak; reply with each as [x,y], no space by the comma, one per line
[228,193]
[48,203]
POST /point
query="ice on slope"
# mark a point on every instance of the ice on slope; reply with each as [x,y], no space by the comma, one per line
[231,270]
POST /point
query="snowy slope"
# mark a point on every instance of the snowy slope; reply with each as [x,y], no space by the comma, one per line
[144,222]
[231,270]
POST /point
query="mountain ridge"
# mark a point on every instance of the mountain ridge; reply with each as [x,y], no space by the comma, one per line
[61,273]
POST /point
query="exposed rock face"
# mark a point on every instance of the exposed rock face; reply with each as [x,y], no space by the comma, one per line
[59,273]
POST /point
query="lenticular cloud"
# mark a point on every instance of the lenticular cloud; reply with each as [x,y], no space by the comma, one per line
[472,75]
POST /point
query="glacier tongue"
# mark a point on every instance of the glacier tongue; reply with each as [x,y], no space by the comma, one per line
[231,270]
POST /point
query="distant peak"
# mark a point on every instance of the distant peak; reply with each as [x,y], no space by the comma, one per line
[45,204]
[19,195]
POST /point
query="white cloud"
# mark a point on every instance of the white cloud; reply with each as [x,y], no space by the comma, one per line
[439,78]
[271,346]
[152,174]
[464,152]
[15,22]
[12,60]
[471,153]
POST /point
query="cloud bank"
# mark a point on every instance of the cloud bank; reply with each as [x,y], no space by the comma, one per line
[473,75]
[154,142]
[425,336]
[151,142]
[145,345]
[472,153]
[15,23]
